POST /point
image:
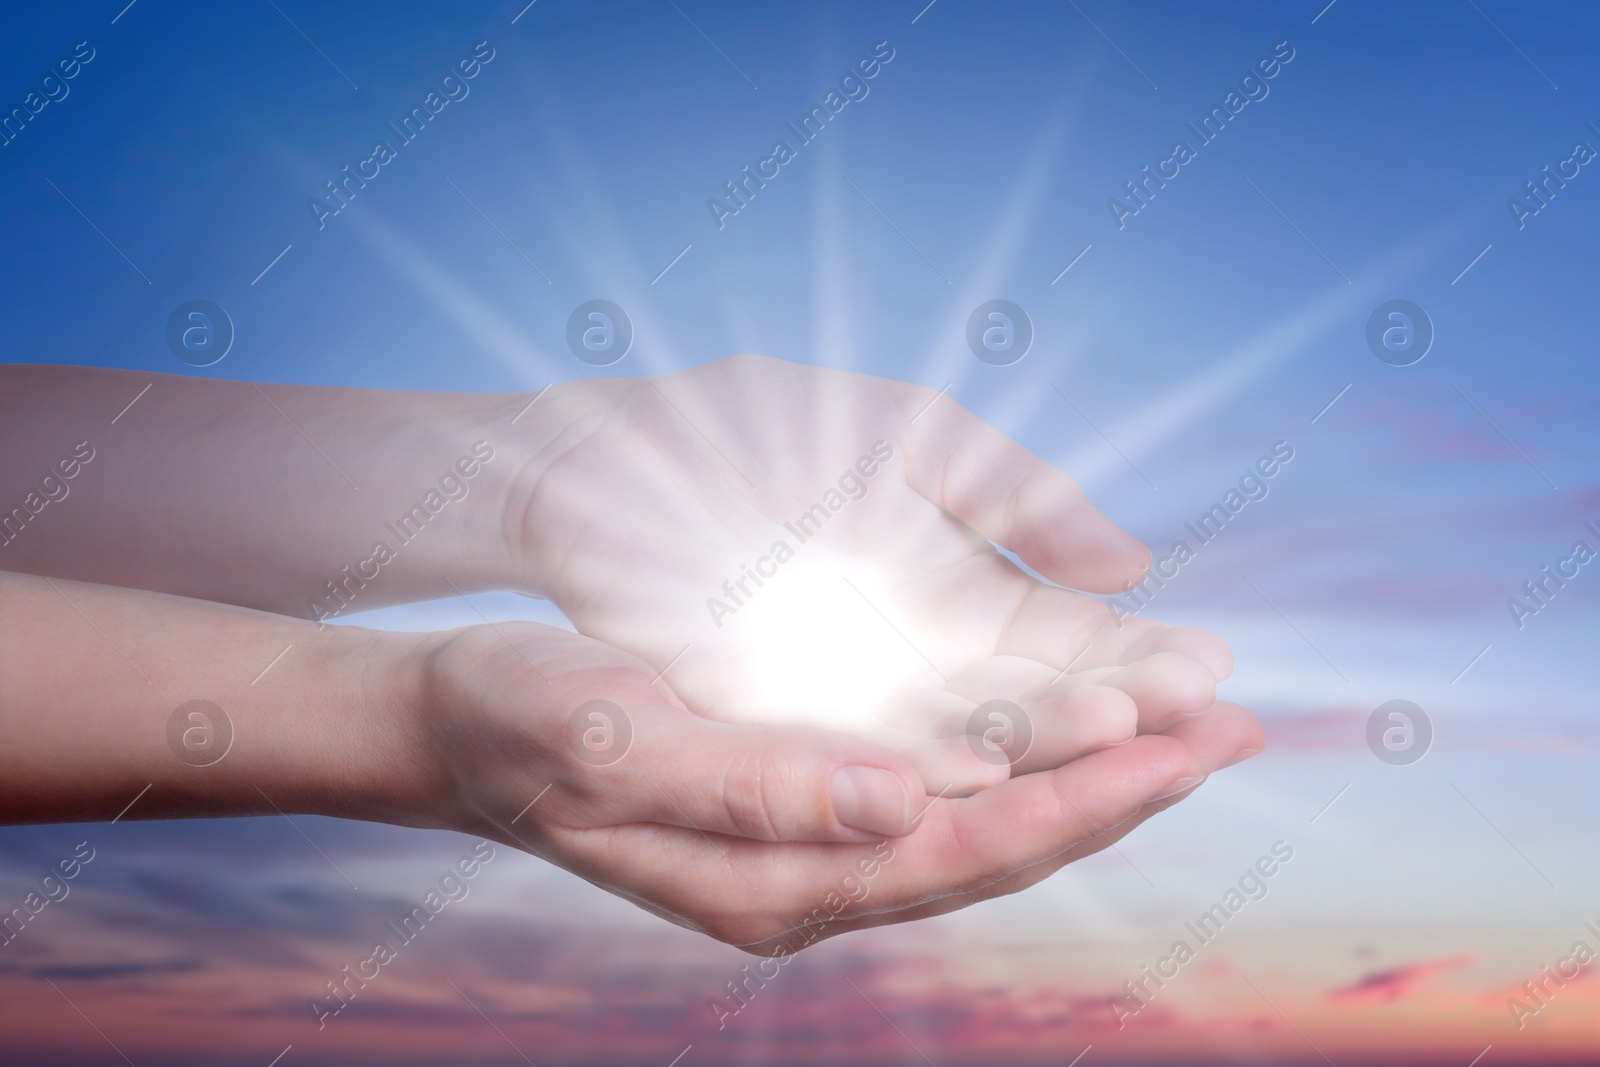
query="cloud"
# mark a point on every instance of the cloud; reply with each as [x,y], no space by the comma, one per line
[100,972]
[1545,988]
[1335,729]
[1396,983]
[1342,729]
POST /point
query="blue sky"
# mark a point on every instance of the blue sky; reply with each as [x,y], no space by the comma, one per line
[1221,318]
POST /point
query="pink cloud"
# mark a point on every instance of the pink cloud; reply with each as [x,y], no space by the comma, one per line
[1396,983]
[1343,729]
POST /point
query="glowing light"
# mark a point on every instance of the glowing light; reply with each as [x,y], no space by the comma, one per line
[825,645]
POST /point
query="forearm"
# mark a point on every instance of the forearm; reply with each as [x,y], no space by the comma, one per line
[323,719]
[275,497]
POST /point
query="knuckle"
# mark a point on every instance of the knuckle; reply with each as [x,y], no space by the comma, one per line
[753,797]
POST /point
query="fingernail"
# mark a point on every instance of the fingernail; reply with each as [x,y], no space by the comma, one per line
[1241,757]
[1123,741]
[871,799]
[1179,786]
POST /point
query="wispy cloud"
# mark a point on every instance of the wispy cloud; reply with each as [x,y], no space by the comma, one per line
[1396,983]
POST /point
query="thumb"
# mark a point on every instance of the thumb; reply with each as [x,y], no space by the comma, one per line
[768,783]
[1017,500]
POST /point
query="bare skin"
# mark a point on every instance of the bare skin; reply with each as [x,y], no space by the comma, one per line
[641,508]
[724,828]
[200,517]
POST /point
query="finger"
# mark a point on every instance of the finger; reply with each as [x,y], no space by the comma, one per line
[965,845]
[1165,686]
[767,783]
[1015,883]
[1012,678]
[986,740]
[959,850]
[929,727]
[926,712]
[1063,628]
[955,767]
[1052,718]
[1085,719]
[1195,643]
[1005,719]
[1015,499]
[1225,735]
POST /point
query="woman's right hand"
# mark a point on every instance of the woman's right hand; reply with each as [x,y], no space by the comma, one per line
[765,837]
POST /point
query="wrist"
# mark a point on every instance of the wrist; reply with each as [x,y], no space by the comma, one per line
[446,478]
[365,753]
[537,429]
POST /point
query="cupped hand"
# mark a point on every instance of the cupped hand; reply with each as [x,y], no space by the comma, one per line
[743,831]
[792,544]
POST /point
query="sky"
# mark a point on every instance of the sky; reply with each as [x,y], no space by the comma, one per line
[1178,336]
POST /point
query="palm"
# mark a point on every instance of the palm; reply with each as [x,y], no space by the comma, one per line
[723,827]
[795,544]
